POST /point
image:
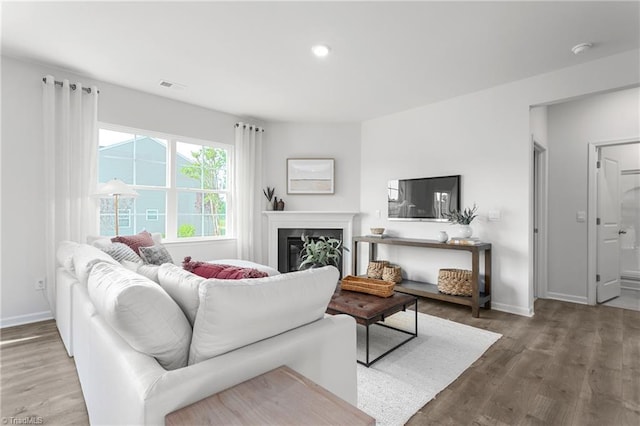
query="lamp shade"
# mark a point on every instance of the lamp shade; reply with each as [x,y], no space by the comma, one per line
[116,187]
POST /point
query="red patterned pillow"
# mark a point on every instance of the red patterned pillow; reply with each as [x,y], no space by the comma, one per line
[222,272]
[143,239]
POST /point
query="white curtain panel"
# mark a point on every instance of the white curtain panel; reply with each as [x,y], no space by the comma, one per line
[70,148]
[247,191]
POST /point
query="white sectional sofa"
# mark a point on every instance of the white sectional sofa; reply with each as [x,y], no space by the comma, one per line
[235,331]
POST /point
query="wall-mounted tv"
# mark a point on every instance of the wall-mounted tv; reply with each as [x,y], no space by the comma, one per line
[423,198]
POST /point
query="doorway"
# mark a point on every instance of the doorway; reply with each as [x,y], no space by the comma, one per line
[539,231]
[614,245]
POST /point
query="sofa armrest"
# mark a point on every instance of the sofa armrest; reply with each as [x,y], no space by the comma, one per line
[323,351]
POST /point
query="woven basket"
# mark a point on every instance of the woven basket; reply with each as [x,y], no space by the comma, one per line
[367,285]
[375,268]
[455,281]
[392,273]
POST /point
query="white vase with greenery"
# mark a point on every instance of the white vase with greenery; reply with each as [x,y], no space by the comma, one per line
[463,219]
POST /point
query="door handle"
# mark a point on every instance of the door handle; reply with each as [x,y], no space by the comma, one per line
[621,232]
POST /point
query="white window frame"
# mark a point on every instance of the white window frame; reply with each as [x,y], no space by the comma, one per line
[171,220]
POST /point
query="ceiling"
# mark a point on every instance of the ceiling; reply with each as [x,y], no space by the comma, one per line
[253,59]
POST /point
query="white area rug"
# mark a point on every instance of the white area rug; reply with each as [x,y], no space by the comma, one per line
[398,385]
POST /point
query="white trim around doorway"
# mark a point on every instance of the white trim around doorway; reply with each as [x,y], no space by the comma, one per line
[541,205]
[592,212]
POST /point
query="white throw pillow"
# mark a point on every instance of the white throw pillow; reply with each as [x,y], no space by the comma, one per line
[64,254]
[183,287]
[235,313]
[85,257]
[142,313]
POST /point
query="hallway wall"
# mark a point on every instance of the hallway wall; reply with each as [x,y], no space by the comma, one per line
[572,126]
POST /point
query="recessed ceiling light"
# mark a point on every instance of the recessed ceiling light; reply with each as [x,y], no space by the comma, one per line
[580,48]
[320,50]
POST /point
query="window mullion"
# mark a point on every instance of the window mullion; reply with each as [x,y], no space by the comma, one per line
[172,194]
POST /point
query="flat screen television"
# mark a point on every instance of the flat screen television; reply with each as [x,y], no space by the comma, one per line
[424,198]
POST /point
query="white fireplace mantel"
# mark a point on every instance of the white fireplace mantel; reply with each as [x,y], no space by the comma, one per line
[309,219]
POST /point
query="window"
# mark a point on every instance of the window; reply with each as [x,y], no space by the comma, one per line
[183,184]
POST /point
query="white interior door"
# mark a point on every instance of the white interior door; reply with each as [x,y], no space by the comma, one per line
[608,252]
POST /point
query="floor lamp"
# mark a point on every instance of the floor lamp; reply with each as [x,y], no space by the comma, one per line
[117,189]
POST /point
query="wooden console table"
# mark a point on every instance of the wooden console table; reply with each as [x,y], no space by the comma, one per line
[423,289]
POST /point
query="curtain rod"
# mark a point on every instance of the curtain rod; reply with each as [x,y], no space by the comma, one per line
[251,126]
[72,85]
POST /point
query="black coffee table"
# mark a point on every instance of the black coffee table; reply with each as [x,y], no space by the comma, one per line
[368,309]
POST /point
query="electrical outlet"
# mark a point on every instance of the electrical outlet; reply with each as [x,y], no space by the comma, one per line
[40,284]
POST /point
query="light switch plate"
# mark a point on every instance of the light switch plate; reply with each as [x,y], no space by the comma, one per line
[581,216]
[494,215]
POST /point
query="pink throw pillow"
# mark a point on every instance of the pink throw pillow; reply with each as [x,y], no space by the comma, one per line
[221,272]
[143,239]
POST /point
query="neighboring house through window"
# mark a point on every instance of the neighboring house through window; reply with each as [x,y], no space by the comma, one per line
[152,214]
[183,184]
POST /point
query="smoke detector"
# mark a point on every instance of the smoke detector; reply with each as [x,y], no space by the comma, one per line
[580,48]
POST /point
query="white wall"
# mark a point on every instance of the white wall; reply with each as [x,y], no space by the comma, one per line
[538,122]
[300,140]
[484,136]
[22,191]
[572,126]
[340,141]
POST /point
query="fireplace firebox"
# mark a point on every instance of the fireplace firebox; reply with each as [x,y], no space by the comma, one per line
[290,245]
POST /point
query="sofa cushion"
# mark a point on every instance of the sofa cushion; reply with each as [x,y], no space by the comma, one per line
[236,313]
[183,287]
[142,313]
[149,271]
[155,255]
[64,254]
[142,239]
[85,257]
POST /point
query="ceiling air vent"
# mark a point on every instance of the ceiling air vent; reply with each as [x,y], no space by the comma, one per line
[170,85]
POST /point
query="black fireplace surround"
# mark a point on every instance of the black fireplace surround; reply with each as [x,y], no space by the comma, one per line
[290,245]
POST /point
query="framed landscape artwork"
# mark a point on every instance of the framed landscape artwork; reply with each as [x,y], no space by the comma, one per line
[310,175]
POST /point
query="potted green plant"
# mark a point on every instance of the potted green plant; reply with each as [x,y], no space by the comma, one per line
[463,219]
[321,251]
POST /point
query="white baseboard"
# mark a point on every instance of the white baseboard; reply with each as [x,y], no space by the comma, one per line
[630,284]
[25,319]
[567,298]
[517,310]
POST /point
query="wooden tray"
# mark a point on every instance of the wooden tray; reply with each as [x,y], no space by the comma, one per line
[368,285]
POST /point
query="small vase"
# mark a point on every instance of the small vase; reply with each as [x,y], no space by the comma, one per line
[280,205]
[443,237]
[463,231]
[269,206]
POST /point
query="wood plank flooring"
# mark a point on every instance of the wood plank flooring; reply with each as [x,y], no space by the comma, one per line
[568,365]
[38,380]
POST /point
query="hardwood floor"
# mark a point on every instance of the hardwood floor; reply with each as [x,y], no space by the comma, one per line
[38,379]
[568,365]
